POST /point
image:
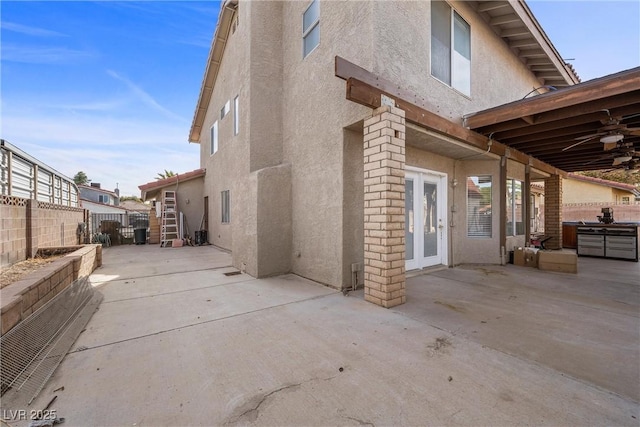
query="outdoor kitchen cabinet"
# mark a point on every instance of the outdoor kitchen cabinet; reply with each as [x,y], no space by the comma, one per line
[608,241]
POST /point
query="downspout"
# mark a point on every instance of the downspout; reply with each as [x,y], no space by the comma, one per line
[454,184]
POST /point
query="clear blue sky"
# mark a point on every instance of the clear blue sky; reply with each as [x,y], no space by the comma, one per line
[110,88]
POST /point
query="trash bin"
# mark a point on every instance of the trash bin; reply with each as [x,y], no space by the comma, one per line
[201,237]
[140,236]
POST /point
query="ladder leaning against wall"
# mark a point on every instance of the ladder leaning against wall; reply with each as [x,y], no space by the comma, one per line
[169,223]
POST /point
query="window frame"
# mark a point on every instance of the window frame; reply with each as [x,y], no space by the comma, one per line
[214,138]
[512,208]
[236,117]
[226,108]
[487,232]
[452,40]
[312,26]
[225,207]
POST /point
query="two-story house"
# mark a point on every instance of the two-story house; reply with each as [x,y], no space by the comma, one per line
[333,141]
[99,200]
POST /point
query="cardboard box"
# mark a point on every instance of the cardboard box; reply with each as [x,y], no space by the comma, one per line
[525,257]
[518,256]
[561,261]
[531,257]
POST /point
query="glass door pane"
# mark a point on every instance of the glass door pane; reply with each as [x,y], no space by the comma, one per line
[408,218]
[430,219]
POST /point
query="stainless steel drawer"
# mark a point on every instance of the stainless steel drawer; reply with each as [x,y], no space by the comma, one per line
[621,253]
[590,239]
[591,250]
[621,242]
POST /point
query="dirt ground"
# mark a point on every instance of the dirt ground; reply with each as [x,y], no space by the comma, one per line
[20,269]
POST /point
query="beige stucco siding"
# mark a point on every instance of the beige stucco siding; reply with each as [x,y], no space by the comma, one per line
[402,43]
[295,173]
[315,111]
[228,169]
[575,191]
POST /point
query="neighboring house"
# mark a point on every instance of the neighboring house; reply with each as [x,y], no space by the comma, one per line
[190,202]
[586,189]
[585,196]
[98,196]
[301,178]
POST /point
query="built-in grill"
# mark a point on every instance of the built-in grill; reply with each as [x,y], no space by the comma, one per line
[609,241]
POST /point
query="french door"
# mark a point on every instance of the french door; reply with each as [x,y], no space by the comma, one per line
[425,218]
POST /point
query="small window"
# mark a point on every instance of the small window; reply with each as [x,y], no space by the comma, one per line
[236,116]
[479,217]
[625,200]
[450,47]
[103,198]
[224,196]
[214,138]
[515,217]
[225,110]
[311,28]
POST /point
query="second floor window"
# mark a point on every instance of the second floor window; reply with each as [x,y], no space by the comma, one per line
[450,47]
[103,199]
[214,138]
[311,28]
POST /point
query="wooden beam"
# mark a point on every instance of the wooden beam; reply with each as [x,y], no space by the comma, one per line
[367,95]
[491,5]
[514,32]
[605,87]
[523,43]
[504,19]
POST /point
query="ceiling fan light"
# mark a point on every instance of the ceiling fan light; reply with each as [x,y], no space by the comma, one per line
[620,160]
[615,137]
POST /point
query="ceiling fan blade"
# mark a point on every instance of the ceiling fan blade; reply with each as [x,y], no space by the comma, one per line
[630,117]
[593,135]
[633,131]
[578,143]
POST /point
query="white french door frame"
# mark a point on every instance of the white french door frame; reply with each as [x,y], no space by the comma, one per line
[419,177]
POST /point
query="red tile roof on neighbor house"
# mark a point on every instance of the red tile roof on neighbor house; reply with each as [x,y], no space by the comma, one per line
[613,184]
[181,177]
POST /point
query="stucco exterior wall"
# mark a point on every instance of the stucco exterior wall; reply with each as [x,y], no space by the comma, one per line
[190,202]
[401,39]
[293,113]
[575,191]
[228,168]
[315,112]
[475,250]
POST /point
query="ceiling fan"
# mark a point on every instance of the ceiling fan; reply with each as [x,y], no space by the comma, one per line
[624,157]
[611,134]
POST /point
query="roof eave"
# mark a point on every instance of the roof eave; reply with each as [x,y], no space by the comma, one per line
[220,37]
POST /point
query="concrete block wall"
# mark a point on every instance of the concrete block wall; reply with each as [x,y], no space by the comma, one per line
[13,219]
[384,193]
[22,298]
[57,225]
[588,212]
[28,225]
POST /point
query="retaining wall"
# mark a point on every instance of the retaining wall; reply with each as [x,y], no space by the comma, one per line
[25,296]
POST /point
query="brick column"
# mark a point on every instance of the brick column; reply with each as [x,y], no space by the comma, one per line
[384,240]
[553,211]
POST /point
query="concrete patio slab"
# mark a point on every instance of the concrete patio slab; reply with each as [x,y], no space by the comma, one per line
[585,325]
[287,351]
